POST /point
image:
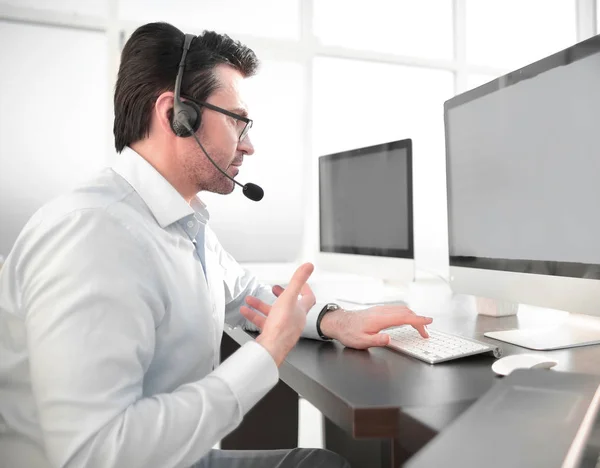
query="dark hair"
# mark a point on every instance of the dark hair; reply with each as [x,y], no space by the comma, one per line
[149,64]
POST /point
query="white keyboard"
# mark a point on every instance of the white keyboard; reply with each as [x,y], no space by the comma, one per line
[439,347]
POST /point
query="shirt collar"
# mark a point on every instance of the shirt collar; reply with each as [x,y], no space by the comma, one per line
[166,204]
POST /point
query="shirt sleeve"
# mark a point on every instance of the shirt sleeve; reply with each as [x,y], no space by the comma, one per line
[240,283]
[93,301]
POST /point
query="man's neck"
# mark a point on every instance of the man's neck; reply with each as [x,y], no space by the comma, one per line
[178,181]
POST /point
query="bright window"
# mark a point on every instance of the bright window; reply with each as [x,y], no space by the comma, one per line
[419,28]
[513,33]
[267,18]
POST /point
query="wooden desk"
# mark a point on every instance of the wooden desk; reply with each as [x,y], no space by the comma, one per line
[382,406]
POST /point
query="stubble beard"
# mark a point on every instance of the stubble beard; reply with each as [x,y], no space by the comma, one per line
[204,175]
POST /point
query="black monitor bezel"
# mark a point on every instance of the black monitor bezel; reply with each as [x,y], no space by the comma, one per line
[569,55]
[405,144]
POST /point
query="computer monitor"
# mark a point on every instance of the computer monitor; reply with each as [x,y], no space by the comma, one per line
[366,211]
[523,172]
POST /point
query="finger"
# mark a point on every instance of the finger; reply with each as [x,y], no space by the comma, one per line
[392,309]
[253,316]
[422,329]
[259,305]
[379,339]
[308,298]
[400,318]
[298,281]
[305,291]
[418,320]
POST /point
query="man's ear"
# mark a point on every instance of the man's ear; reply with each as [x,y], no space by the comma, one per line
[163,111]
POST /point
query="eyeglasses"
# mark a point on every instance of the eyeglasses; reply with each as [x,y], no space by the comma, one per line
[240,118]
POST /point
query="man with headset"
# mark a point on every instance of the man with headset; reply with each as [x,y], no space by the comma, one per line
[114,297]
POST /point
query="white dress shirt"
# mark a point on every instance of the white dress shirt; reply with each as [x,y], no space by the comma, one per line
[112,306]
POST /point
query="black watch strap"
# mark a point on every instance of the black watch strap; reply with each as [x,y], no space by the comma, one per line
[328,308]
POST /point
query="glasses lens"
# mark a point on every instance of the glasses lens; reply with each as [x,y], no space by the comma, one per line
[245,131]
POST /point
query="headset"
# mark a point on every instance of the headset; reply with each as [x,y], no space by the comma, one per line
[185,122]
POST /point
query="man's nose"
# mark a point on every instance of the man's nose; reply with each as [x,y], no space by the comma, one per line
[246,146]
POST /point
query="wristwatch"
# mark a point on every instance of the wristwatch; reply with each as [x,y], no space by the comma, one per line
[329,307]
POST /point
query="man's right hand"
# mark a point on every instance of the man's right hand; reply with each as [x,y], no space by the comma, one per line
[283,322]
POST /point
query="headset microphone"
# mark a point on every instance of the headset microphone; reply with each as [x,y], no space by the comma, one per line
[250,190]
[185,121]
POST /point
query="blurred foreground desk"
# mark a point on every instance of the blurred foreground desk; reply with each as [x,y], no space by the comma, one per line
[380,406]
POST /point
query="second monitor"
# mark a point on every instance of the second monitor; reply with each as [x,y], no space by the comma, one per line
[366,212]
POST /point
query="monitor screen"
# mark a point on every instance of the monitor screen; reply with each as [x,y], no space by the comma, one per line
[523,168]
[365,201]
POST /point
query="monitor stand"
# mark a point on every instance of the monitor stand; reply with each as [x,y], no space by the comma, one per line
[571,331]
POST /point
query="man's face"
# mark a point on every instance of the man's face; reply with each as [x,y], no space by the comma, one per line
[219,134]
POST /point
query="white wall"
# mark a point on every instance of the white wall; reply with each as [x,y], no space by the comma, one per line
[53,116]
[99,8]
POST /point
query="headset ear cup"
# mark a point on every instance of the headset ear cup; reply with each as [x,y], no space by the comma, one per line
[195,115]
[172,120]
[185,110]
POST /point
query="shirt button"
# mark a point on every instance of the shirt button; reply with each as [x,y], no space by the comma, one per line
[190,224]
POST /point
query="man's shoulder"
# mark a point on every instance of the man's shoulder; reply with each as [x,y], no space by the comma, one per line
[106,196]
